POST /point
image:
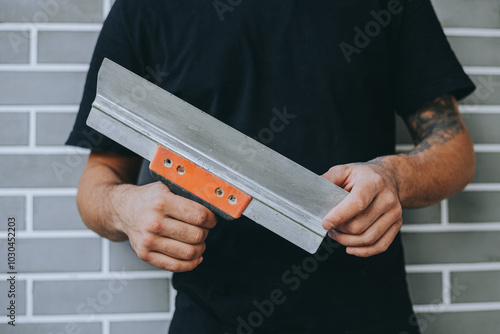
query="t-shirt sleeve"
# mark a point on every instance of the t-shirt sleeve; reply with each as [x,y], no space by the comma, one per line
[113,43]
[426,67]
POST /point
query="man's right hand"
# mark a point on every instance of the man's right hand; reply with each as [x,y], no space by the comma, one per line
[165,230]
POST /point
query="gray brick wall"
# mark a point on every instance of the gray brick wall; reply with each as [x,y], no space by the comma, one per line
[69,279]
[72,281]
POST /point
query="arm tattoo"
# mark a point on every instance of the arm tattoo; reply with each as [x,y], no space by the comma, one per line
[436,122]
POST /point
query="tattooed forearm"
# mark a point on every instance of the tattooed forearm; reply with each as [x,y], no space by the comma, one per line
[435,123]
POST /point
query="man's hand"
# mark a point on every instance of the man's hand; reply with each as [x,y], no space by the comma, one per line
[369,218]
[165,230]
[441,164]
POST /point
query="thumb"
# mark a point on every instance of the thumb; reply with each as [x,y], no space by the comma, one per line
[337,175]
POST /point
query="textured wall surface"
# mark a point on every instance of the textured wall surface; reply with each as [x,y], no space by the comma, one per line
[71,281]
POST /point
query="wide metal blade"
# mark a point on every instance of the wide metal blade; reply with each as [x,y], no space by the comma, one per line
[287,199]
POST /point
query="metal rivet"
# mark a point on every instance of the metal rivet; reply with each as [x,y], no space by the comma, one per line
[219,192]
[181,170]
[232,199]
[167,162]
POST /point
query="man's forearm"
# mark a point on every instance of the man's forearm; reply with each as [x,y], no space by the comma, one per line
[99,187]
[442,162]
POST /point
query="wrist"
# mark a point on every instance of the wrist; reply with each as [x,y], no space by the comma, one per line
[120,196]
[388,166]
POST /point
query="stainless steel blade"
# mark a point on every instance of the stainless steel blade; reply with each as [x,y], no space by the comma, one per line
[287,199]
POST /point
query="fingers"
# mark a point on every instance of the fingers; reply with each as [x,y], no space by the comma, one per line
[170,254]
[166,230]
[190,212]
[379,246]
[383,203]
[368,219]
[369,237]
[175,249]
[372,231]
[337,175]
[165,262]
[352,205]
[178,230]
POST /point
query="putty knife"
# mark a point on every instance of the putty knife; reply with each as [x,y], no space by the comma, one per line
[209,161]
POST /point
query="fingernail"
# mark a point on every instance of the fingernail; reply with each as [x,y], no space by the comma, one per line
[328,224]
[351,251]
[201,259]
[332,234]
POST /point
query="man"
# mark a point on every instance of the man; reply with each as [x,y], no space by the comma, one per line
[324,80]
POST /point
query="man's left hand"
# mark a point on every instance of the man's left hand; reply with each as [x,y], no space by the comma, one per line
[370,217]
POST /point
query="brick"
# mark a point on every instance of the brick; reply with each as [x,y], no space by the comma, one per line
[480,286]
[20,297]
[13,207]
[466,13]
[66,46]
[425,288]
[48,328]
[37,170]
[34,12]
[101,296]
[428,215]
[52,129]
[475,206]
[460,322]
[451,247]
[139,327]
[483,127]
[15,129]
[15,47]
[55,255]
[487,167]
[476,51]
[487,92]
[56,213]
[122,257]
[41,87]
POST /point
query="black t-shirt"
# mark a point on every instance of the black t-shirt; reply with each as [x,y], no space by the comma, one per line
[320,83]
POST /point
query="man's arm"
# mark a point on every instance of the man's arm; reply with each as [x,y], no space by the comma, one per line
[165,230]
[441,164]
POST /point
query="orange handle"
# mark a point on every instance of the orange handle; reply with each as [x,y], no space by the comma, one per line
[199,182]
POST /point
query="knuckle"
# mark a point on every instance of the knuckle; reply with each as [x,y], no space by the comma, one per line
[359,204]
[199,216]
[143,255]
[383,247]
[378,180]
[332,170]
[149,241]
[155,226]
[399,223]
[398,211]
[199,236]
[390,199]
[355,228]
[189,253]
[370,239]
[157,203]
